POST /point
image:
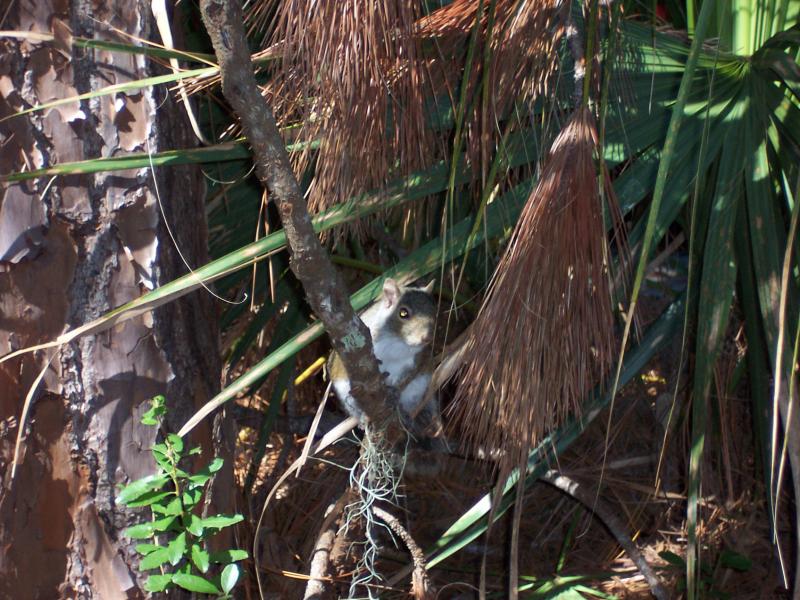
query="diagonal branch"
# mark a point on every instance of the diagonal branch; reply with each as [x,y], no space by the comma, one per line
[609,518]
[324,289]
[421,586]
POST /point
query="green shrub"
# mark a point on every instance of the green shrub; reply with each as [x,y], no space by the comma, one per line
[177,536]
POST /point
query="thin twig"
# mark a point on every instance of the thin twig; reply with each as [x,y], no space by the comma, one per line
[421,586]
[320,557]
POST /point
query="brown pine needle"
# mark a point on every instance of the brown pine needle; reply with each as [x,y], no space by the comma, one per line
[351,76]
[518,65]
[544,336]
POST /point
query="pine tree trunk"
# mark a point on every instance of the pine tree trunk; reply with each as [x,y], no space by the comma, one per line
[70,250]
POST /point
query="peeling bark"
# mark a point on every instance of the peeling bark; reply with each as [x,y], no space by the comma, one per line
[70,250]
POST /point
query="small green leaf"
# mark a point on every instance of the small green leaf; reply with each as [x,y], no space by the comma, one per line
[146,548]
[195,526]
[176,442]
[198,480]
[228,556]
[149,498]
[220,521]
[176,548]
[157,409]
[163,524]
[191,498]
[200,558]
[229,577]
[140,531]
[193,583]
[734,560]
[162,460]
[173,507]
[154,559]
[136,489]
[195,450]
[202,476]
[158,583]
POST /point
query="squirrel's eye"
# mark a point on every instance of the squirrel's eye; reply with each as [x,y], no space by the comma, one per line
[403,313]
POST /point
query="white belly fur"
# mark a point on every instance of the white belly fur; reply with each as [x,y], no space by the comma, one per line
[396,361]
[413,393]
[396,357]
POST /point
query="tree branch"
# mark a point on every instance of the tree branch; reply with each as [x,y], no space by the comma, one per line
[420,582]
[608,518]
[317,587]
[324,289]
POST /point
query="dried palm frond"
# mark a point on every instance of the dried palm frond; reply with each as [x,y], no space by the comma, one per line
[544,336]
[350,76]
[526,49]
[455,19]
[524,38]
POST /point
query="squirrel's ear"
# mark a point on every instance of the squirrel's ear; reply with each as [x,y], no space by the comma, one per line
[428,289]
[391,292]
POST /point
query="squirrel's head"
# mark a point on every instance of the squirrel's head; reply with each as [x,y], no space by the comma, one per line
[413,312]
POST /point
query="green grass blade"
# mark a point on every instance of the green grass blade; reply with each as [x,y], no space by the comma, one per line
[209,154]
[757,359]
[122,48]
[127,87]
[282,382]
[227,151]
[767,234]
[758,367]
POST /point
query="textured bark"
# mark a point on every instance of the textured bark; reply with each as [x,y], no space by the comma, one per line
[324,289]
[70,250]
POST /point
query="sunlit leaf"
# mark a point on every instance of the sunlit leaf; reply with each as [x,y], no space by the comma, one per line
[157,583]
[146,548]
[154,559]
[193,583]
[229,577]
[176,548]
[133,491]
[220,521]
[200,558]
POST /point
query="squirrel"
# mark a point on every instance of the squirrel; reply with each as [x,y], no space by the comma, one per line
[401,324]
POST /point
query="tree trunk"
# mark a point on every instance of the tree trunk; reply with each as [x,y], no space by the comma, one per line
[70,250]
